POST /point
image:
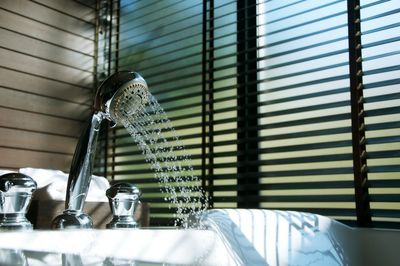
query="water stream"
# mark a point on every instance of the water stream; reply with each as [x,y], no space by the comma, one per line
[154,134]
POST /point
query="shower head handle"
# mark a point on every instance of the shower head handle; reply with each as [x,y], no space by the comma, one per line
[120,96]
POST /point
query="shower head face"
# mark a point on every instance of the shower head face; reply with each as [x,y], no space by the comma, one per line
[121,95]
[130,99]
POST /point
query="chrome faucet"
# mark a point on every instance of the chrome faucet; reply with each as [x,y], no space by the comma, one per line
[15,196]
[124,200]
[118,97]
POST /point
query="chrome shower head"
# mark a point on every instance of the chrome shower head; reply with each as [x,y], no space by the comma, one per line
[121,95]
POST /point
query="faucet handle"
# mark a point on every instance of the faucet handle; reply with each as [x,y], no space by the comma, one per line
[15,195]
[124,199]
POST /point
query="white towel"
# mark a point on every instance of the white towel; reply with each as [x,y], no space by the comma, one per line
[4,171]
[52,185]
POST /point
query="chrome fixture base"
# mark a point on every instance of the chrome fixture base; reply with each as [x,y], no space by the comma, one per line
[70,219]
[122,222]
[14,221]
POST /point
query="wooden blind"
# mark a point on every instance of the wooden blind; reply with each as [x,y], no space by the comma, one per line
[46,80]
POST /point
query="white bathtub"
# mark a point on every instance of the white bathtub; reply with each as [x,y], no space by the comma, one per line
[93,247]
[234,237]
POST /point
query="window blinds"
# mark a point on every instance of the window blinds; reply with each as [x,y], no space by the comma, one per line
[380,22]
[304,108]
[162,40]
[263,95]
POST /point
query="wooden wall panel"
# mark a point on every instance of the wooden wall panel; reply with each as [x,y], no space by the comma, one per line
[37,141]
[50,17]
[46,33]
[47,64]
[30,121]
[18,158]
[77,9]
[38,104]
[44,68]
[15,79]
[43,50]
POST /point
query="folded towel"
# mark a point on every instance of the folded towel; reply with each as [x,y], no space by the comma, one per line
[52,185]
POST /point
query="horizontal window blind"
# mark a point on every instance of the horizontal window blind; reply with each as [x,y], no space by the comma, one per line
[162,40]
[220,103]
[304,120]
[281,104]
[380,25]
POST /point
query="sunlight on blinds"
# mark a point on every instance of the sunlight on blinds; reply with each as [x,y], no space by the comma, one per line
[304,104]
[381,57]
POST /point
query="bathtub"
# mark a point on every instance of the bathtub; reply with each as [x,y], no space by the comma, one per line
[121,247]
[231,237]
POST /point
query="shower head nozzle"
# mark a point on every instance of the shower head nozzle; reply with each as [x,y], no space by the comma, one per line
[121,95]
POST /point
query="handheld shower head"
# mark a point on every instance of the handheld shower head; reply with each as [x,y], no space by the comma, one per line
[121,95]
